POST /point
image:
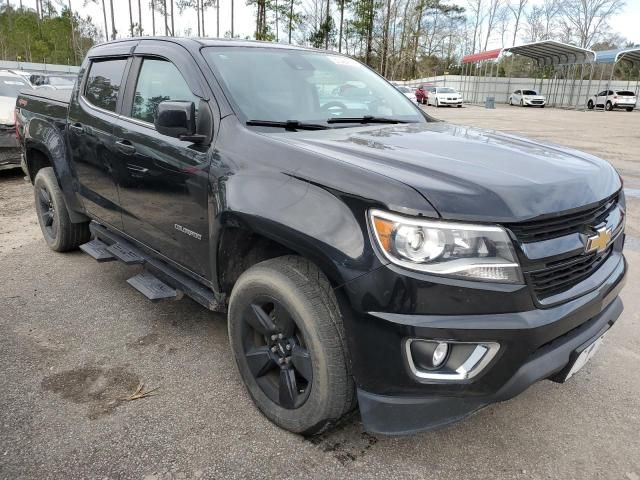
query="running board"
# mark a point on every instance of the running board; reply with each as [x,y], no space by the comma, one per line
[98,250]
[156,271]
[153,288]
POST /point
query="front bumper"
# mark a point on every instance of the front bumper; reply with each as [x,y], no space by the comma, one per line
[535,103]
[10,153]
[535,343]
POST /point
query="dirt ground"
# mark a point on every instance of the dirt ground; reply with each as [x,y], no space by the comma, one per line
[76,341]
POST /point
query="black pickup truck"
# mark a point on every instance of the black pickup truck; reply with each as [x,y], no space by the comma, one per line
[367,254]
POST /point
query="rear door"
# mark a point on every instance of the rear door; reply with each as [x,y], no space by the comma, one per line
[92,117]
[164,191]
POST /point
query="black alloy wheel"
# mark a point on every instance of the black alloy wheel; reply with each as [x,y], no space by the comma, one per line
[276,353]
[47,211]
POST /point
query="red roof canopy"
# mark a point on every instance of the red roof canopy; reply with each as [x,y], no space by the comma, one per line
[479,57]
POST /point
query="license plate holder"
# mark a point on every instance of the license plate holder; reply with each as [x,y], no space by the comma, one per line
[581,357]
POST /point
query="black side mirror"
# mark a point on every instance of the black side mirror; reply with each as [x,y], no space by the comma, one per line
[177,119]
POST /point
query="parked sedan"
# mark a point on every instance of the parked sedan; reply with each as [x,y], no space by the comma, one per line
[10,86]
[422,95]
[407,92]
[613,99]
[527,98]
[444,96]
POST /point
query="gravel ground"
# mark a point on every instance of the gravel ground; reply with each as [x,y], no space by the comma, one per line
[76,341]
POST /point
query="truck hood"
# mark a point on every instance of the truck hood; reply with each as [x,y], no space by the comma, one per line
[472,174]
[7,106]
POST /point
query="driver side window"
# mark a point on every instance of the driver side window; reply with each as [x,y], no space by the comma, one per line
[158,80]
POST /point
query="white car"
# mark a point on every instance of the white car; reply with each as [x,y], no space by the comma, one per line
[613,99]
[407,92]
[10,86]
[527,98]
[444,96]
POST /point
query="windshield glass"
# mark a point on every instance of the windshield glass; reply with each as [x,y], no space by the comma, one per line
[278,85]
[11,86]
[404,89]
[529,92]
[446,90]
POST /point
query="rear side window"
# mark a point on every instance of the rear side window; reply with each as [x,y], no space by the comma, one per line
[159,80]
[626,93]
[103,83]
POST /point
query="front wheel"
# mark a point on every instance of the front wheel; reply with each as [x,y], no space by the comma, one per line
[437,103]
[629,109]
[287,337]
[590,105]
[521,103]
[58,231]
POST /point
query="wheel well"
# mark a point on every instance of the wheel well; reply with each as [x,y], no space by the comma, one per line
[36,160]
[239,250]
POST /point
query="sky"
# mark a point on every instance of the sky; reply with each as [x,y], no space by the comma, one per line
[626,23]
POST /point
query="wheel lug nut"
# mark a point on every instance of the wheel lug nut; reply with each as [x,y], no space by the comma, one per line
[274,349]
[274,337]
[288,347]
[281,361]
[280,336]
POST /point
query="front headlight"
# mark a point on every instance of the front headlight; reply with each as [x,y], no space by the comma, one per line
[473,252]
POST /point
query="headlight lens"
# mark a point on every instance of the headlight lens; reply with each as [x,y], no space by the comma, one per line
[474,252]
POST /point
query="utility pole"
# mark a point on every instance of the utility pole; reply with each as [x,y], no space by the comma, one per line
[173,31]
[232,19]
[106,25]
[153,18]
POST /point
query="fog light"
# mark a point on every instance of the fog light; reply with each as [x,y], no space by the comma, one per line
[439,354]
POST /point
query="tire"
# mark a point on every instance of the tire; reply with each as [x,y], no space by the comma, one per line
[58,231]
[609,106]
[629,109]
[511,101]
[437,103]
[522,103]
[459,106]
[541,106]
[302,314]
[590,105]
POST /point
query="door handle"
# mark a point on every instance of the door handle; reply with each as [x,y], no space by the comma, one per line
[76,127]
[126,147]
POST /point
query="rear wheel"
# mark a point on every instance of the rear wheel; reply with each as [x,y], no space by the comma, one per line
[59,232]
[609,106]
[287,337]
[629,109]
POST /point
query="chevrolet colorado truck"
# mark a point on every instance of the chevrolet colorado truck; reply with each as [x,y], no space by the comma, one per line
[367,255]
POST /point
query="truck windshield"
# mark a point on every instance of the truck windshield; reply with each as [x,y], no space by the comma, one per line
[279,85]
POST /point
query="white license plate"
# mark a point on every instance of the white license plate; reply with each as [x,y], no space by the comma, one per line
[585,356]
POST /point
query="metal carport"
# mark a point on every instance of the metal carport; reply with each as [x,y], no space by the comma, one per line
[604,58]
[565,59]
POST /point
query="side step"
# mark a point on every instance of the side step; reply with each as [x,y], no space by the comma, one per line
[153,288]
[98,250]
[125,254]
[160,280]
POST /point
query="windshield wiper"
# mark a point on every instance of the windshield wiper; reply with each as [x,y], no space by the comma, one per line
[365,119]
[291,125]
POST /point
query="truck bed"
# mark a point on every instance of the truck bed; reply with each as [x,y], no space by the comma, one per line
[53,104]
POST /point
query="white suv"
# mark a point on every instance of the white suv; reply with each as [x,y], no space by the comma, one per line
[610,99]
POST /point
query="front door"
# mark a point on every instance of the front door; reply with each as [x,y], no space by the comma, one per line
[92,116]
[164,193]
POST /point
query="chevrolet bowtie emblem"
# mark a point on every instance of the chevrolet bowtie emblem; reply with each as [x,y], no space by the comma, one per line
[598,242]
